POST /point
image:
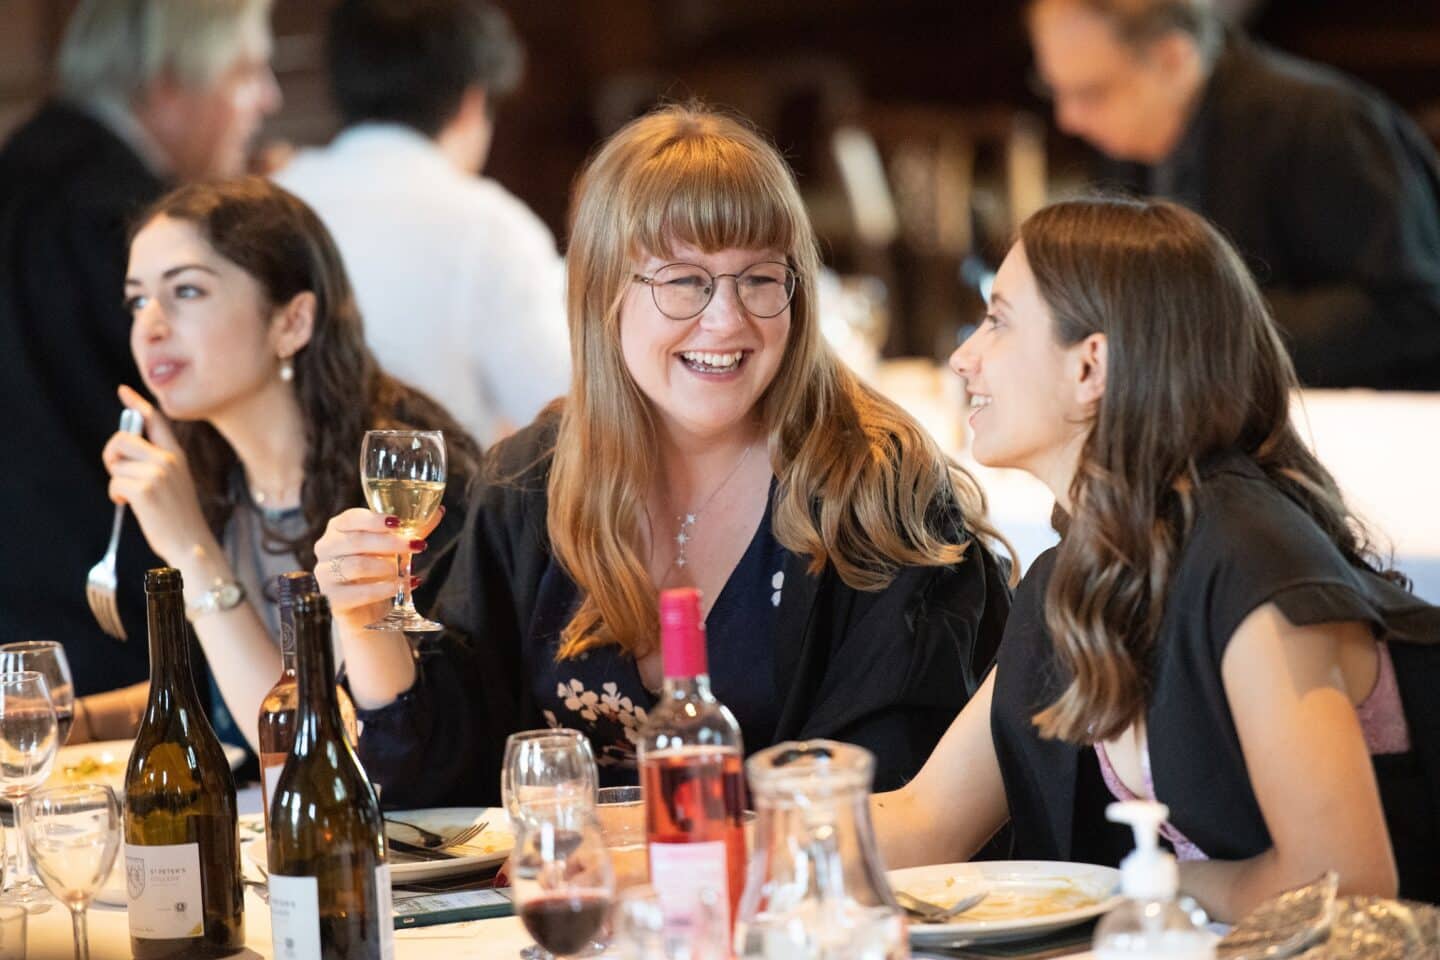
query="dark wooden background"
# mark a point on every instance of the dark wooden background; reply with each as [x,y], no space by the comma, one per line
[797,67]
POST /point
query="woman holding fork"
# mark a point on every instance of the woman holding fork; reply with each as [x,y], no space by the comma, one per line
[245,330]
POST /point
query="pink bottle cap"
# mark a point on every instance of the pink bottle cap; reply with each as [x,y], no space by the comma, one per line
[682,635]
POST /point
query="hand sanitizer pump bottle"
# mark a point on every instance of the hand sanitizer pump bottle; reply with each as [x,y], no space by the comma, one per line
[1149,923]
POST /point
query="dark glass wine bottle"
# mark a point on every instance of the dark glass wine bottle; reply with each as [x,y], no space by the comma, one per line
[329,882]
[182,841]
[276,724]
[690,769]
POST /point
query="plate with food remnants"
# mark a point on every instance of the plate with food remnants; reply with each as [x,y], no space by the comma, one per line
[103,761]
[1024,898]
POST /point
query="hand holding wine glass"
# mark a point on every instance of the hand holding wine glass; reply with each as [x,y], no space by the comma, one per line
[403,473]
[73,834]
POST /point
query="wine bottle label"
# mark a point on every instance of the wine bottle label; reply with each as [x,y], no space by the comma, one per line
[681,872]
[163,891]
[294,917]
[387,925]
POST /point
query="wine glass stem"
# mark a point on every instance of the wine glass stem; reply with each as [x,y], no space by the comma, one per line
[402,595]
[22,852]
[82,934]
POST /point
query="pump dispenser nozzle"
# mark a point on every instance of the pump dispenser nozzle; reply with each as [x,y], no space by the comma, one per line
[1148,873]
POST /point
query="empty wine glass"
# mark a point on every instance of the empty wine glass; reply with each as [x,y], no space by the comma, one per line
[73,833]
[27,752]
[47,658]
[403,473]
[561,877]
[550,766]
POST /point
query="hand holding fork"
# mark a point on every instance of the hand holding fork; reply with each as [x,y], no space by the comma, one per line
[100,583]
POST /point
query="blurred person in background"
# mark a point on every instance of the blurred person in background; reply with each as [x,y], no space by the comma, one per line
[711,438]
[1331,193]
[245,330]
[149,92]
[440,256]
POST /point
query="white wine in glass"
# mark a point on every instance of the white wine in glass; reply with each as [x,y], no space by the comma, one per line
[403,474]
[73,833]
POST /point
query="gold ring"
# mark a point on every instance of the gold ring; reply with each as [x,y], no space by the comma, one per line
[335,569]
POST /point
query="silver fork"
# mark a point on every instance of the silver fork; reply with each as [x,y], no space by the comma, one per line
[100,583]
[431,840]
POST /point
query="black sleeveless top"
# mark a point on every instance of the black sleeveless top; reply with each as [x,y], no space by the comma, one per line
[1250,545]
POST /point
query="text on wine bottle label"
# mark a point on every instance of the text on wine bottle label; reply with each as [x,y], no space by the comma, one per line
[294,917]
[681,872]
[163,891]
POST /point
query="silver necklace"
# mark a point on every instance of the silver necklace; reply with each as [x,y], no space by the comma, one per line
[687,520]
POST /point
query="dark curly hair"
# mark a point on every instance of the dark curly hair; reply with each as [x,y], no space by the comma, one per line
[273,236]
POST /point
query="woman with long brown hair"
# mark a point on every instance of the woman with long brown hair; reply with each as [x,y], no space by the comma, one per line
[245,330]
[710,438]
[1214,630]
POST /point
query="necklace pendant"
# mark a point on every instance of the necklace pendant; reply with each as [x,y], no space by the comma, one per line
[679,561]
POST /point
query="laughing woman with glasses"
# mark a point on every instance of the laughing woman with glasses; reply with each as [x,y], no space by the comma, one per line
[710,438]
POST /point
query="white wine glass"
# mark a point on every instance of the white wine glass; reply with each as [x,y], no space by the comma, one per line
[47,658]
[403,473]
[27,752]
[73,833]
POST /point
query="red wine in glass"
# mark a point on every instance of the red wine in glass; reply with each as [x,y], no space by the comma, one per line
[564,923]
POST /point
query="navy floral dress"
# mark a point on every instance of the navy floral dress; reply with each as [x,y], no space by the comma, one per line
[600,692]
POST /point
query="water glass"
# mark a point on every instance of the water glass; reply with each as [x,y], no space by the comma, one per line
[27,752]
[544,768]
[73,833]
[621,812]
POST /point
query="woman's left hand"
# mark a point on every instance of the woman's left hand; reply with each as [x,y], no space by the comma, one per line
[153,477]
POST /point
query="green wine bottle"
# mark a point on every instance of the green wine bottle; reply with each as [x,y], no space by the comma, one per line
[182,840]
[329,882]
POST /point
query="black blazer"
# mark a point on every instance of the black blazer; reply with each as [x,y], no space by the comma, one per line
[68,190]
[1332,195]
[887,670]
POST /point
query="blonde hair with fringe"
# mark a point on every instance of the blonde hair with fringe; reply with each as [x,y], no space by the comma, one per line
[858,479]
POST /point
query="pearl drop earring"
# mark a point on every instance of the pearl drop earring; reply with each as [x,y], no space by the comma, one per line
[287,369]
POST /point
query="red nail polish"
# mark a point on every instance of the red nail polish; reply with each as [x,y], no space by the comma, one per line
[392,521]
[417,546]
[414,582]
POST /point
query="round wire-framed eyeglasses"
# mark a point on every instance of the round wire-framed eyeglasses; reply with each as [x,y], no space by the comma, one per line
[682,291]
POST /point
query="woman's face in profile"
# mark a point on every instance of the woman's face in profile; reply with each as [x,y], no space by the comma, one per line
[705,374]
[199,323]
[1019,378]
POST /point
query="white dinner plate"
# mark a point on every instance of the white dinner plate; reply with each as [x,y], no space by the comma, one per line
[103,761]
[488,849]
[1027,898]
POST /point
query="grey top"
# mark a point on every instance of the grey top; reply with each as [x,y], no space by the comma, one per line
[252,544]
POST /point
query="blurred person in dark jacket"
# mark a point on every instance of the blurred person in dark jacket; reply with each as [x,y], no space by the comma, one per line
[149,93]
[1330,192]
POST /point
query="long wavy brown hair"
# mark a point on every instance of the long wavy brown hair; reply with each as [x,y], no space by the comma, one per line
[279,241]
[858,479]
[1194,367]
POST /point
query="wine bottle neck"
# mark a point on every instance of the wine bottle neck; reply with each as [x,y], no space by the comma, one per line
[687,688]
[313,663]
[169,646]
